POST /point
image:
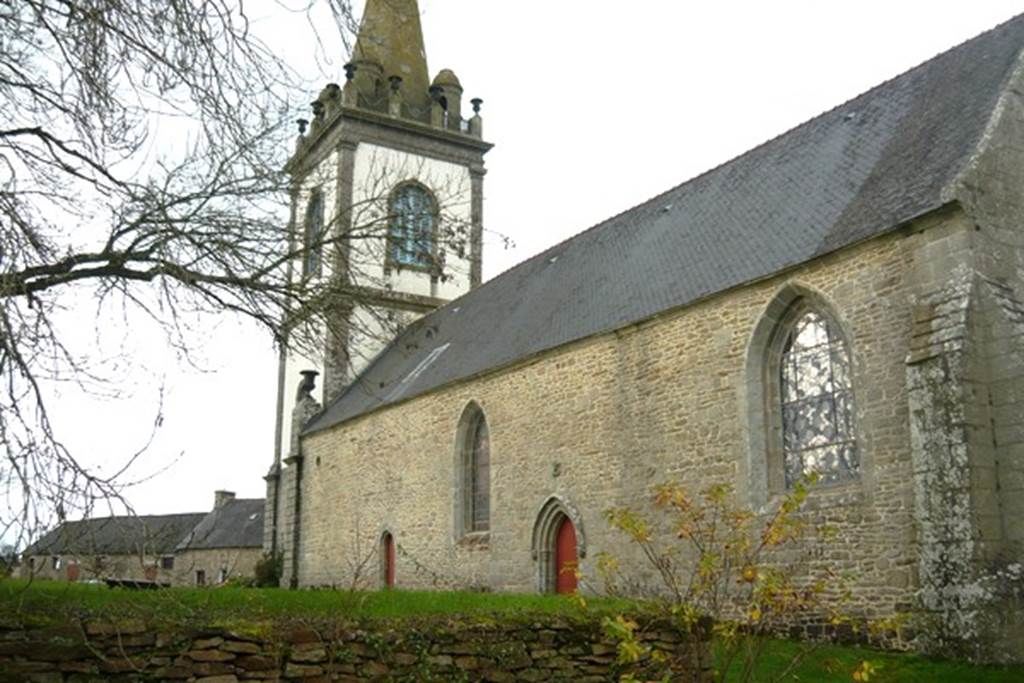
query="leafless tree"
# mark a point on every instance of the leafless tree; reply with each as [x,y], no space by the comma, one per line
[142,148]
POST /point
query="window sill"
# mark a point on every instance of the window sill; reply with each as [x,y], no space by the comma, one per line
[476,540]
[392,266]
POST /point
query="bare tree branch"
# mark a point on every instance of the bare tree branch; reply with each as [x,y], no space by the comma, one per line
[142,148]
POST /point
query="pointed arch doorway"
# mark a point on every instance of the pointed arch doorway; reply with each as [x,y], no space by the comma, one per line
[566,557]
[558,546]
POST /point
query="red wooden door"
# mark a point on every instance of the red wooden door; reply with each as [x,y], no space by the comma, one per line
[565,558]
[389,561]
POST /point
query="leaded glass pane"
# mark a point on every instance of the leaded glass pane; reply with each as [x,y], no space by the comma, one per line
[412,226]
[840,368]
[789,382]
[817,405]
[480,476]
[844,416]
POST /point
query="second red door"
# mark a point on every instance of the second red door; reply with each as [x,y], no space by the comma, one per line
[565,558]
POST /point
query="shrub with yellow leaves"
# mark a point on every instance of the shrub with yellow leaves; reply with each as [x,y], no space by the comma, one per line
[724,567]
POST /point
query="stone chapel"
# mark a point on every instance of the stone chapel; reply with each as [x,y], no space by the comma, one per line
[846,298]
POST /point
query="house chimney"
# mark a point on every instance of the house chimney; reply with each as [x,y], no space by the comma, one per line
[222,498]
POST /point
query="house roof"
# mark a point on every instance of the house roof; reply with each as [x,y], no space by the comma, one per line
[236,524]
[855,172]
[148,535]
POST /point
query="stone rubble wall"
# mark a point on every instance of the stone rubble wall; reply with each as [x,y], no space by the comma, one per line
[550,649]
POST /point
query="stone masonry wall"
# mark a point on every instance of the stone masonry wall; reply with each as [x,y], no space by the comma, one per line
[545,649]
[89,567]
[235,563]
[966,374]
[992,192]
[596,423]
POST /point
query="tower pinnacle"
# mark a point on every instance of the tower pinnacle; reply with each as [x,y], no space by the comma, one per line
[391,38]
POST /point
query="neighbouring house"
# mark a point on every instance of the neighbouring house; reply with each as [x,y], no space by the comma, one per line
[227,543]
[131,548]
[847,298]
[166,549]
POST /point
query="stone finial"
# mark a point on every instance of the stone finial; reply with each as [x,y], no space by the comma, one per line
[305,408]
[307,385]
[476,124]
[396,83]
[303,124]
[332,96]
[350,71]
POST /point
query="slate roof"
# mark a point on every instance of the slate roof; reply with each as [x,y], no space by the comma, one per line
[855,172]
[236,524]
[151,535]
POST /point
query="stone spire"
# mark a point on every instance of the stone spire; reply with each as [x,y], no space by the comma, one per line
[391,39]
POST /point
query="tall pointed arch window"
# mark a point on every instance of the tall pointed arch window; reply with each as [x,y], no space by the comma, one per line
[413,214]
[473,499]
[815,398]
[478,474]
[313,237]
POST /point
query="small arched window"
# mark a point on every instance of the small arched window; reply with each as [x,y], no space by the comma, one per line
[815,399]
[313,237]
[411,233]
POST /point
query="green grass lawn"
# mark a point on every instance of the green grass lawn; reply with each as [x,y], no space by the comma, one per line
[830,663]
[250,610]
[226,605]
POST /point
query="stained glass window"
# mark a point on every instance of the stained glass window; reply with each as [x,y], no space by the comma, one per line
[412,226]
[479,477]
[817,403]
[313,259]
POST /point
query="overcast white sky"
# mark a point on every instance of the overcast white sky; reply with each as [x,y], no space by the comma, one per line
[594,106]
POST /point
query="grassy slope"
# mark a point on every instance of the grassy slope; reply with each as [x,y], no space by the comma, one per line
[834,663]
[49,599]
[241,608]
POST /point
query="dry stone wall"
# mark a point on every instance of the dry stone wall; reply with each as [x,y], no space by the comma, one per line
[547,649]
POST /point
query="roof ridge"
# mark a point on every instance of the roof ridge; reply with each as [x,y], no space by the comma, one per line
[713,169]
[846,157]
[126,516]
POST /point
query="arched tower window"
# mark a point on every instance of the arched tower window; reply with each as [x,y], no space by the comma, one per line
[815,416]
[312,260]
[411,232]
[473,464]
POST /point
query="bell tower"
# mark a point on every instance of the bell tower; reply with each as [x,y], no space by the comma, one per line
[389,174]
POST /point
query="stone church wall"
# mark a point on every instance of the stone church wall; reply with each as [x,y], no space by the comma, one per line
[599,421]
[967,405]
